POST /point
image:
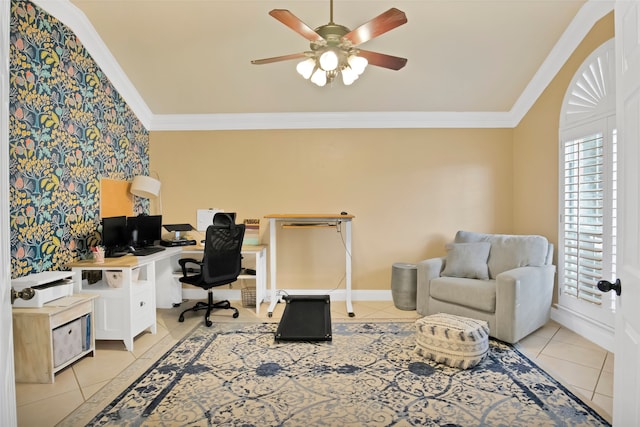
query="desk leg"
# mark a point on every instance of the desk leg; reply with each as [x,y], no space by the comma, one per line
[127,330]
[261,277]
[168,288]
[152,274]
[348,268]
[77,280]
[272,264]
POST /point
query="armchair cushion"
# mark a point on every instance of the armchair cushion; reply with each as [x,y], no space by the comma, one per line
[471,293]
[509,251]
[467,260]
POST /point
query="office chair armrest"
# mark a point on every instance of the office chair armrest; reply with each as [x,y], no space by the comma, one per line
[183,264]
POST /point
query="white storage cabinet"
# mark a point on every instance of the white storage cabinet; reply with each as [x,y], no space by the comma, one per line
[126,303]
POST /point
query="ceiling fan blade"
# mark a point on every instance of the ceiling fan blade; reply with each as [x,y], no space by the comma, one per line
[383,60]
[382,23]
[293,22]
[279,58]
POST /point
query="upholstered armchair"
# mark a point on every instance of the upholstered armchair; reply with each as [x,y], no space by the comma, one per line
[506,280]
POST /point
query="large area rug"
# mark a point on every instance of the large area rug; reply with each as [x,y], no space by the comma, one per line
[369,375]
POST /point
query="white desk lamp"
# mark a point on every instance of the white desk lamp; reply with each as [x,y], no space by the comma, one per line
[147,187]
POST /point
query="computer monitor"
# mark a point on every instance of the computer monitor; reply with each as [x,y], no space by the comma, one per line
[114,233]
[144,230]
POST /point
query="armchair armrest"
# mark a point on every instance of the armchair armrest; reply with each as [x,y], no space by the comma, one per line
[426,270]
[523,301]
[183,264]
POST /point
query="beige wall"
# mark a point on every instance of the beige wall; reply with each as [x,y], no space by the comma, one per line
[410,189]
[535,146]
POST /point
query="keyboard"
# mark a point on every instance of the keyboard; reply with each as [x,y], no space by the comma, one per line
[147,251]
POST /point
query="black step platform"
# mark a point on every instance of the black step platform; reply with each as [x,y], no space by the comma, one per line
[305,318]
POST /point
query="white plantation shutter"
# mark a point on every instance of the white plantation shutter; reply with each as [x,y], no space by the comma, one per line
[587,196]
[583,225]
[613,244]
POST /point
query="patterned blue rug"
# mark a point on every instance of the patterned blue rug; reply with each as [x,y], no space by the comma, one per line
[369,375]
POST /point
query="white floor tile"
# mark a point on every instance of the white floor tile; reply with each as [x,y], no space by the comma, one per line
[577,362]
[588,356]
[572,373]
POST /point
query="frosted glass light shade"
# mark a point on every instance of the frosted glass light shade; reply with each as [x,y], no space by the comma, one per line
[319,77]
[305,68]
[329,61]
[348,76]
[358,64]
[145,186]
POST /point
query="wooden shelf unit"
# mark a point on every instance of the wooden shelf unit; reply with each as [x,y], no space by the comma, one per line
[33,337]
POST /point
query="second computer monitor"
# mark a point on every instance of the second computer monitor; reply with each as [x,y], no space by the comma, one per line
[144,230]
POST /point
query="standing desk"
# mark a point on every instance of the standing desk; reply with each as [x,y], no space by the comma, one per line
[309,221]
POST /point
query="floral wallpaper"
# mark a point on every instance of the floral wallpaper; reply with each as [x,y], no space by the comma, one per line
[68,128]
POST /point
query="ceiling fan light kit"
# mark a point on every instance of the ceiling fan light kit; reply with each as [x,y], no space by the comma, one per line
[333,47]
[325,67]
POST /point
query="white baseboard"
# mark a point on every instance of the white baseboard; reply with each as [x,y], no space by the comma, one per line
[336,295]
[602,335]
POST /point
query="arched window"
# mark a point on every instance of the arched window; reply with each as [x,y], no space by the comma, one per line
[587,229]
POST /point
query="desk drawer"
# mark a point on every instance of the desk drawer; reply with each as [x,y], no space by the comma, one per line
[142,309]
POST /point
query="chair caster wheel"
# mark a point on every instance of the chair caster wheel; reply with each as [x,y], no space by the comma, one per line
[270,314]
[235,315]
[208,323]
[181,318]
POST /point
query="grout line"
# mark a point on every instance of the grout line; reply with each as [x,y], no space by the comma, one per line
[604,362]
[77,380]
[547,343]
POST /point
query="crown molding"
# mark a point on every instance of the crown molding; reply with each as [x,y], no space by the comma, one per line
[334,120]
[587,16]
[590,13]
[74,18]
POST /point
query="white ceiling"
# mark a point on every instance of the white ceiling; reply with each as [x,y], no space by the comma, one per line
[484,60]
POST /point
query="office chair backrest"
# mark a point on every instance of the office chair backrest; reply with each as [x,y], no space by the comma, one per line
[224,218]
[222,258]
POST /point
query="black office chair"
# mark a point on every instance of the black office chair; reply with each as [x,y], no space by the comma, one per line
[220,265]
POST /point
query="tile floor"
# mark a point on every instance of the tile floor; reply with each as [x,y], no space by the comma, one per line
[585,368]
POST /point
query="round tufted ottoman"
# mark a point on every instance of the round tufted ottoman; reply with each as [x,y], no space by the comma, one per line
[459,342]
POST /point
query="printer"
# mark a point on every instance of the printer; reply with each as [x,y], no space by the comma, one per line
[47,286]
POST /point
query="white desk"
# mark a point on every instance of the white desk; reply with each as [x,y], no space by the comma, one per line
[259,251]
[148,282]
[308,221]
[123,312]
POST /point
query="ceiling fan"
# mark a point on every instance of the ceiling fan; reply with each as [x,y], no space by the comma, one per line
[334,47]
